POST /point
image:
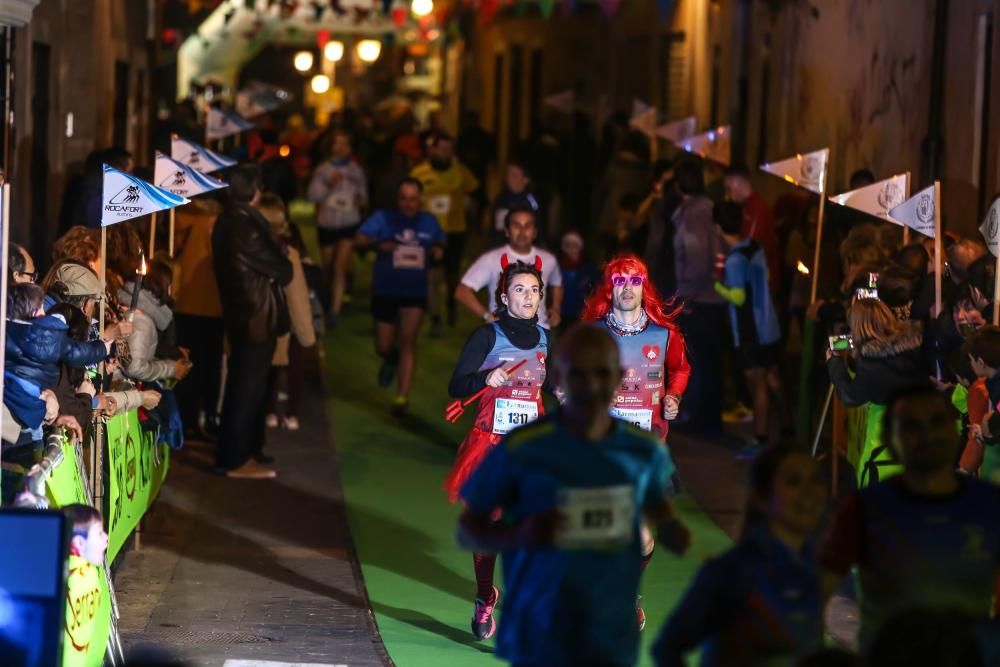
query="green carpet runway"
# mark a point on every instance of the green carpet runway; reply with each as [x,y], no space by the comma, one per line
[420,583]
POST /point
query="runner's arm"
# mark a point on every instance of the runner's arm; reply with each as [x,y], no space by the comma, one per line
[677,366]
[467,379]
[699,614]
[467,297]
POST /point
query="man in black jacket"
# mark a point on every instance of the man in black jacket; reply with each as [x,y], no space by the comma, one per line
[251,271]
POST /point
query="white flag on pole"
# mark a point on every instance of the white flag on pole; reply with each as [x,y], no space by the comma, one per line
[805,170]
[221,123]
[876,199]
[180,179]
[677,130]
[126,197]
[645,122]
[639,107]
[258,98]
[564,102]
[712,145]
[990,229]
[198,157]
[917,212]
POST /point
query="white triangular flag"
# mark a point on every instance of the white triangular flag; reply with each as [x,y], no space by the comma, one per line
[180,179]
[125,197]
[198,157]
[917,212]
[221,123]
[258,98]
[564,102]
[990,229]
[712,145]
[677,130]
[645,122]
[876,199]
[806,170]
[639,107]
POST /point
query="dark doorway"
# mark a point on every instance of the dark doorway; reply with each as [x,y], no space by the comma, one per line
[537,76]
[39,235]
[120,137]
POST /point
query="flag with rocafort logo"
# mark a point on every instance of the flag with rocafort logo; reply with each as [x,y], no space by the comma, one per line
[126,197]
[180,179]
[221,123]
[198,157]
[876,199]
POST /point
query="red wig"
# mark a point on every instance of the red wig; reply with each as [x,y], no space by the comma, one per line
[658,310]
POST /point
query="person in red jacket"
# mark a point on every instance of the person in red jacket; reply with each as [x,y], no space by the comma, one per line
[758,220]
[655,369]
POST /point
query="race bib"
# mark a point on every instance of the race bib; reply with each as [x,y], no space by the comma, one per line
[409,257]
[440,204]
[598,518]
[341,203]
[638,417]
[509,413]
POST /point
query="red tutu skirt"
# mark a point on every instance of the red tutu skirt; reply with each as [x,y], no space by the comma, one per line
[471,453]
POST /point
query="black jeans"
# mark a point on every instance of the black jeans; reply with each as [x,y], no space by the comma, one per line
[199,391]
[704,326]
[244,408]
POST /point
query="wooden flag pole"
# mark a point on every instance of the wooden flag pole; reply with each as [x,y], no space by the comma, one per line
[170,243]
[819,226]
[97,454]
[996,291]
[152,236]
[937,247]
[906,195]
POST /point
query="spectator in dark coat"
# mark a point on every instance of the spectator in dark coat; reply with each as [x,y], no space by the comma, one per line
[251,271]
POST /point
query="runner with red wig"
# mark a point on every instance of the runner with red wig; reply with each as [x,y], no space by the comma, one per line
[655,368]
[506,360]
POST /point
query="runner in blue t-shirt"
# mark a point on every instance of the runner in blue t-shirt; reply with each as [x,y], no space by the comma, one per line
[406,239]
[572,489]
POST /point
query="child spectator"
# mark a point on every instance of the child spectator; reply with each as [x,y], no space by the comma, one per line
[984,359]
[36,344]
[579,276]
[754,321]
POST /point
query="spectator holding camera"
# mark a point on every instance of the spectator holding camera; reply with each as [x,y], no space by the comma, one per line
[887,355]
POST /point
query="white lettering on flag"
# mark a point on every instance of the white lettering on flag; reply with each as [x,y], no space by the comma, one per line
[126,197]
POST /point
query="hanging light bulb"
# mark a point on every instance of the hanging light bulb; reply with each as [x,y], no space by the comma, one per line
[320,84]
[422,7]
[369,50]
[303,61]
[333,51]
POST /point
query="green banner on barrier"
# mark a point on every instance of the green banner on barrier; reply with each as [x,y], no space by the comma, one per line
[88,615]
[138,469]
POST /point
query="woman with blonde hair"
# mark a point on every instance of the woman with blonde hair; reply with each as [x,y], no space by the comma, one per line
[887,356]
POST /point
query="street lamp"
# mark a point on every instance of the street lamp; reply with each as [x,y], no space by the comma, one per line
[369,50]
[333,51]
[303,61]
[422,7]
[320,84]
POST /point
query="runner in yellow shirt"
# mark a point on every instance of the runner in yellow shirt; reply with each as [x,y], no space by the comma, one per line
[447,183]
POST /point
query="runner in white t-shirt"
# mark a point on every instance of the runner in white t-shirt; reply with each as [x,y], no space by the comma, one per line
[485,271]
